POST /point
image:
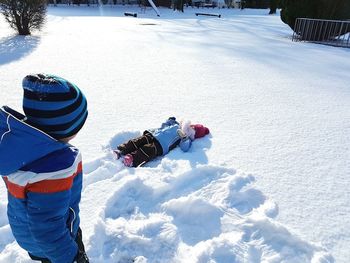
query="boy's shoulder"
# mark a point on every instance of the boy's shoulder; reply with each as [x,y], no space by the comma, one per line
[52,173]
[55,161]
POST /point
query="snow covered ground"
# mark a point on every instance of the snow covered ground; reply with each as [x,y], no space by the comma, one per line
[271,182]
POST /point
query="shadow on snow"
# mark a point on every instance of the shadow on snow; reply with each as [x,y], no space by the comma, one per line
[13,48]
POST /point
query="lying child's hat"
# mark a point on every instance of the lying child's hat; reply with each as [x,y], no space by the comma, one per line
[54,105]
[200,130]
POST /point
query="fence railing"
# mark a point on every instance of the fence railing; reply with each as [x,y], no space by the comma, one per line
[329,32]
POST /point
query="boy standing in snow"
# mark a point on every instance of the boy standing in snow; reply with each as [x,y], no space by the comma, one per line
[42,172]
[158,142]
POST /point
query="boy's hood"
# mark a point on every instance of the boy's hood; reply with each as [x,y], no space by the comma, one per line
[20,143]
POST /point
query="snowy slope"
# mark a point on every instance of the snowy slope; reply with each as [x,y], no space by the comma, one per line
[178,209]
[279,116]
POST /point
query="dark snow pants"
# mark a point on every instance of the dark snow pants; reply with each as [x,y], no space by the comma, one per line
[143,149]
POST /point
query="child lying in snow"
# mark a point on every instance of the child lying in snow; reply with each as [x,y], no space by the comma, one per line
[158,142]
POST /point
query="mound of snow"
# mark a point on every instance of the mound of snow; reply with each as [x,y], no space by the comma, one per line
[177,209]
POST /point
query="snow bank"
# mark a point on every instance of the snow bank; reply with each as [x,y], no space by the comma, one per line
[174,210]
[177,208]
[277,109]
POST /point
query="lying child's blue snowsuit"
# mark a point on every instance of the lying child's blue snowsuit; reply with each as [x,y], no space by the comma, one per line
[168,137]
[155,142]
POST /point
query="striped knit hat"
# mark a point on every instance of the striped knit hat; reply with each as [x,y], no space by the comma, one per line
[54,105]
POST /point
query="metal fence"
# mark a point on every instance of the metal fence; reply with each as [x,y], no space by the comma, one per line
[329,32]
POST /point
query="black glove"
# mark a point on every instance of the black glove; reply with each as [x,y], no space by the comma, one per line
[81,257]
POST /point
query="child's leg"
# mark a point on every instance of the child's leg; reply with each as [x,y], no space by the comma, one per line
[132,145]
[78,240]
[144,154]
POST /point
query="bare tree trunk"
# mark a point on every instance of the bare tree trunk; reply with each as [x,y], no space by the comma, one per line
[273,7]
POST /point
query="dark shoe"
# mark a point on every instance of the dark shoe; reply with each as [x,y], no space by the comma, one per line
[117,154]
[81,257]
[35,258]
[79,240]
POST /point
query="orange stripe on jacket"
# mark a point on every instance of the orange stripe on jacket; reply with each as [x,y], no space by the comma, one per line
[45,186]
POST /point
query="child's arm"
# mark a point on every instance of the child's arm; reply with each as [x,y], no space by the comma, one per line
[185,144]
[186,134]
[170,121]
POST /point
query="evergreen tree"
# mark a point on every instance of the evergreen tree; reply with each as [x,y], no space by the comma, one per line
[317,9]
[179,5]
[273,7]
[24,15]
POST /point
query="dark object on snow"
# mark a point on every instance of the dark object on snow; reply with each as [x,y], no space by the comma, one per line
[206,14]
[130,14]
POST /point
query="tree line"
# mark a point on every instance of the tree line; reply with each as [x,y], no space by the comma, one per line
[27,15]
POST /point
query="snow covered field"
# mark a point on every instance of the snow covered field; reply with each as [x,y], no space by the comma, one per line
[271,182]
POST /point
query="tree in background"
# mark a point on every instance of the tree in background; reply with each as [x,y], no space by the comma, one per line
[256,3]
[318,9]
[24,15]
[273,6]
[242,4]
[229,3]
[179,5]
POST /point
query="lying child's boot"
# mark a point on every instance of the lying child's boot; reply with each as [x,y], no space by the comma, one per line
[117,154]
[128,160]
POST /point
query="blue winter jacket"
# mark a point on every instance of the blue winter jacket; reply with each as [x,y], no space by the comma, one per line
[44,181]
[168,137]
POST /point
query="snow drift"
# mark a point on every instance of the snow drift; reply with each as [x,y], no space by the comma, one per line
[176,209]
[278,111]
